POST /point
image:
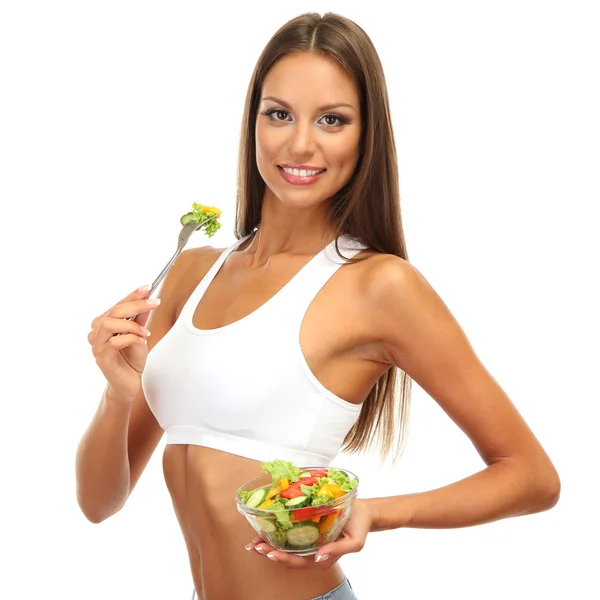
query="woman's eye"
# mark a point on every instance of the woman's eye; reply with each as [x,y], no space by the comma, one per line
[335,118]
[278,115]
[277,112]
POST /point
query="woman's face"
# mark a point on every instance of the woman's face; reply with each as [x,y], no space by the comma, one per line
[308,119]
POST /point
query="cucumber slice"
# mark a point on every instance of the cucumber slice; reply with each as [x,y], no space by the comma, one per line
[187,218]
[266,525]
[296,502]
[257,497]
[303,535]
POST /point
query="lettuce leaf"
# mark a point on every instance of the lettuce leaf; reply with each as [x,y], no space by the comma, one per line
[281,469]
[348,486]
[244,496]
[283,517]
[279,536]
[320,500]
[342,480]
[307,490]
[201,212]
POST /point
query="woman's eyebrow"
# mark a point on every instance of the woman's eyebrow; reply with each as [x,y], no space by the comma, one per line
[320,109]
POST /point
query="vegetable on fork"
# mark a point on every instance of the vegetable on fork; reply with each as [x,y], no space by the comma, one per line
[200,213]
[206,218]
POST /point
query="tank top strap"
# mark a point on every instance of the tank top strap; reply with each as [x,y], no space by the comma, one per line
[196,296]
[300,292]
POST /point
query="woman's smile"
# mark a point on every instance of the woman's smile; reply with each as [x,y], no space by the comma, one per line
[300,176]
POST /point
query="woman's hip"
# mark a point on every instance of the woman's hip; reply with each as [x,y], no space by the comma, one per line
[342,592]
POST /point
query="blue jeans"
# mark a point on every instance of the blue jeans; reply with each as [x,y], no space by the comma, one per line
[342,592]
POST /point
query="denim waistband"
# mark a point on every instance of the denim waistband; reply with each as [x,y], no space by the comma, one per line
[342,592]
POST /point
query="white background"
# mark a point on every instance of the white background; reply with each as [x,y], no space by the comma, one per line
[115,116]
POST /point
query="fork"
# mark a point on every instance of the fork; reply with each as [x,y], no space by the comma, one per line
[184,236]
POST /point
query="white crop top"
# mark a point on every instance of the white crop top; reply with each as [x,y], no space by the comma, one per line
[246,388]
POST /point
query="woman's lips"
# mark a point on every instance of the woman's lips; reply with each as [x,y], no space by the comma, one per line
[294,180]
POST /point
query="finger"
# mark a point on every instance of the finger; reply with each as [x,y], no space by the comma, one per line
[110,327]
[292,561]
[252,545]
[288,559]
[142,318]
[263,548]
[116,344]
[133,308]
[340,547]
[141,292]
[125,311]
[257,540]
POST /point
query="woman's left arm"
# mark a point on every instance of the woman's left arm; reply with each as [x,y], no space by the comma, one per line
[420,335]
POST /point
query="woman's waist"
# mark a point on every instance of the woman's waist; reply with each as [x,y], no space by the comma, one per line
[223,568]
[202,483]
[225,571]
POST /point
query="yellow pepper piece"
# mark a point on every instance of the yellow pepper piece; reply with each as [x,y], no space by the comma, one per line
[214,210]
[266,503]
[273,492]
[331,490]
[327,524]
[284,484]
[209,209]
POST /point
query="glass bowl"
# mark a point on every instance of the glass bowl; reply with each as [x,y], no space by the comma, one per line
[311,526]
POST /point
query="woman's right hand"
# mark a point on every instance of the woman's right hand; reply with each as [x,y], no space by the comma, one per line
[122,358]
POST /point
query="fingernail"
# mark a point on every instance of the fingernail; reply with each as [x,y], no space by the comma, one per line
[153,301]
[145,331]
[248,546]
[144,288]
[259,549]
[271,557]
[256,540]
[321,557]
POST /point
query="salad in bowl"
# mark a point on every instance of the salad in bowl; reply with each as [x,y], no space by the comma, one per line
[295,509]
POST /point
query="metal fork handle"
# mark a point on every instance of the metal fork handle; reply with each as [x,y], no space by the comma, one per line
[184,237]
[161,276]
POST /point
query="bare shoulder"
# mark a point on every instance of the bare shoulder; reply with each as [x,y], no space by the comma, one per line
[383,280]
[387,269]
[402,305]
[189,269]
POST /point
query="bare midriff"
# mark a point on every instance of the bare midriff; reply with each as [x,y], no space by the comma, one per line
[203,481]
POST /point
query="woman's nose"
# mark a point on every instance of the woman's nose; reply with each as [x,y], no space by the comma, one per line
[302,140]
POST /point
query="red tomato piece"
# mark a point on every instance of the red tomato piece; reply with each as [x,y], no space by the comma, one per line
[319,472]
[303,514]
[294,490]
[306,481]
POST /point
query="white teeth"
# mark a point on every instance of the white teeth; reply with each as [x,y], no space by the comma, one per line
[301,172]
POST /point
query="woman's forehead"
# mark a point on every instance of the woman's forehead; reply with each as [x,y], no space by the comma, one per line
[309,80]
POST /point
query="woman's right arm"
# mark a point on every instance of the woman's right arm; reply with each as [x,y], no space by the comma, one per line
[123,433]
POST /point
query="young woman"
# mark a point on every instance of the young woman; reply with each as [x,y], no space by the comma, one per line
[314,310]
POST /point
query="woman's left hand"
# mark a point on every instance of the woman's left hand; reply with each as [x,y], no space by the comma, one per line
[352,539]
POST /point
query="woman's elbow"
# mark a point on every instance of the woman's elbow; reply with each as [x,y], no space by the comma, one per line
[94,512]
[548,489]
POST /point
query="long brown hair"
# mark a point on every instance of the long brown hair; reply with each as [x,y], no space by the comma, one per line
[366,208]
